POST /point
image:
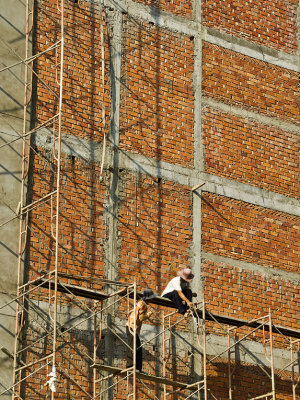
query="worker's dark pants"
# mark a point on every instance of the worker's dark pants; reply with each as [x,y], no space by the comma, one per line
[139,352]
[177,300]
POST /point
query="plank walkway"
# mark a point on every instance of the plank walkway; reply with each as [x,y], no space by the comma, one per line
[142,376]
[162,301]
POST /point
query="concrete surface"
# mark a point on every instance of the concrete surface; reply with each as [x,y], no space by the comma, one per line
[12,28]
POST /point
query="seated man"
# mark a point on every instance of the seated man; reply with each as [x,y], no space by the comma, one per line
[179,292]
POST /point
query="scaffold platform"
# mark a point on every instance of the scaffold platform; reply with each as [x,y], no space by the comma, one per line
[141,375]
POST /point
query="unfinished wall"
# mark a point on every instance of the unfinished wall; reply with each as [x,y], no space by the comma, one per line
[194,91]
[12,49]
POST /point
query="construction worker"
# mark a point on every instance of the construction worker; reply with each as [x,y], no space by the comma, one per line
[179,292]
[142,313]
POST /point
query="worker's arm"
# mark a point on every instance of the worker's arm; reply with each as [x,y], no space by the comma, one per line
[146,315]
[182,296]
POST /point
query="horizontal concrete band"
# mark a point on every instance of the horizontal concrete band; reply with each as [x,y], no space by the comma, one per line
[90,151]
[267,272]
[250,49]
[250,115]
[250,352]
[191,28]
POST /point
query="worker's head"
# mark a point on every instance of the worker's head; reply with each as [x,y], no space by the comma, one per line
[141,306]
[186,274]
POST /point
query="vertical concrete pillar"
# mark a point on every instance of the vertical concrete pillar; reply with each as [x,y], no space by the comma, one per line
[12,50]
[198,167]
[112,209]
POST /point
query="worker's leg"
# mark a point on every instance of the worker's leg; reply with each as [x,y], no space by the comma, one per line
[188,294]
[129,353]
[174,296]
[139,351]
[139,354]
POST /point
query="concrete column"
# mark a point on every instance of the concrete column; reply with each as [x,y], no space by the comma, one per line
[112,209]
[12,50]
[198,168]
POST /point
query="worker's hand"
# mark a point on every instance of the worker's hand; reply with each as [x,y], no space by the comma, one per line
[190,304]
[149,313]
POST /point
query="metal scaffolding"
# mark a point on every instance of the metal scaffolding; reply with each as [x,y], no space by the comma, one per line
[111,377]
[53,198]
[41,357]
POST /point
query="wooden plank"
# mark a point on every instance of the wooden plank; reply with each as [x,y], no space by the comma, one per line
[222,319]
[76,290]
[162,301]
[142,376]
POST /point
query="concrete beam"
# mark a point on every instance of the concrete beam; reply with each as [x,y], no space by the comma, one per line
[265,272]
[298,33]
[250,49]
[251,194]
[178,24]
[90,151]
[250,115]
[111,211]
[248,352]
[214,184]
[162,19]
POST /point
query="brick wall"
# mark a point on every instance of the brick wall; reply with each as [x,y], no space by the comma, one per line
[74,355]
[239,293]
[177,7]
[246,232]
[82,230]
[155,228]
[82,79]
[245,376]
[272,23]
[156,91]
[251,152]
[245,82]
[154,216]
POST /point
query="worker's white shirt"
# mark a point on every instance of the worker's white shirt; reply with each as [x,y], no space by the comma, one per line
[174,284]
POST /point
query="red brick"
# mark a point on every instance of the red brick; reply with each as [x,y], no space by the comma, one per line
[156,231]
[251,152]
[251,233]
[82,85]
[156,93]
[81,221]
[177,7]
[272,23]
[251,294]
[246,82]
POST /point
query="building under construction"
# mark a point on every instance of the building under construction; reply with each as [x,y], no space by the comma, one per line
[139,137]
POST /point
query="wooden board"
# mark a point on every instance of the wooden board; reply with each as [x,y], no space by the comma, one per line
[76,290]
[162,301]
[139,375]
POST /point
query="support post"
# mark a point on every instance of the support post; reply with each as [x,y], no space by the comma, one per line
[204,351]
[164,353]
[271,357]
[229,367]
[293,370]
[134,344]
